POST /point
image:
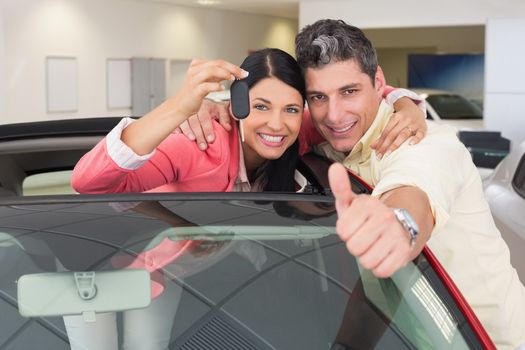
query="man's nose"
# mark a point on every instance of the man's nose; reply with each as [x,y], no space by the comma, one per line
[334,110]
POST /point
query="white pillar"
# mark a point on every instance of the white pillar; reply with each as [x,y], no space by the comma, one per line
[504,102]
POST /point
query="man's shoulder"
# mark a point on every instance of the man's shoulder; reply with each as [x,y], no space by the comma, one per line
[440,129]
[440,134]
[439,145]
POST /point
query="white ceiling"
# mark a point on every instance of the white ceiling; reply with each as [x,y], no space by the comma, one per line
[279,8]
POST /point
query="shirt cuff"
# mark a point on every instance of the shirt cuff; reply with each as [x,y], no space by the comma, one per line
[121,153]
[396,94]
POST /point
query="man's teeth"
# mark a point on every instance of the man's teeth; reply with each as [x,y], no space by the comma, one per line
[270,138]
[343,129]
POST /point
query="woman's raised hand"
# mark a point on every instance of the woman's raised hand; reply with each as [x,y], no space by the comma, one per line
[202,78]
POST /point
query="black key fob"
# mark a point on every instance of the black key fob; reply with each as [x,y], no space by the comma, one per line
[240,99]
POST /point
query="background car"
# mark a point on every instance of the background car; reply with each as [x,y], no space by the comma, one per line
[487,147]
[452,109]
[505,193]
[259,271]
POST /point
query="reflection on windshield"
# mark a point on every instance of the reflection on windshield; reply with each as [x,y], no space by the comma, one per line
[443,319]
[454,107]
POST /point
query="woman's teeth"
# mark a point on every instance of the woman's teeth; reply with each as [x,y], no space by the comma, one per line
[274,139]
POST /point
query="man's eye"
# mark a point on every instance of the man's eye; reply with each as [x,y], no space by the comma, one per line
[292,110]
[349,91]
[260,107]
[316,98]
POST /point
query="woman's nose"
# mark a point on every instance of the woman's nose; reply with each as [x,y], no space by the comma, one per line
[276,121]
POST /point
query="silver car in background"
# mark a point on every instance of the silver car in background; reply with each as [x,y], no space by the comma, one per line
[505,192]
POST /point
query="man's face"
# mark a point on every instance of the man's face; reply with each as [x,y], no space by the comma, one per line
[343,101]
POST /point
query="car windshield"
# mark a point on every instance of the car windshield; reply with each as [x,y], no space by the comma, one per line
[450,106]
[191,271]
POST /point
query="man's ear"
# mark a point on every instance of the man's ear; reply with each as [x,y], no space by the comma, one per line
[380,81]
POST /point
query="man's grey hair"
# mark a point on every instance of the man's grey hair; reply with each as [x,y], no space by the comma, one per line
[330,41]
[329,47]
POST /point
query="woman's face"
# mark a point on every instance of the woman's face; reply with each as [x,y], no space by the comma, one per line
[276,111]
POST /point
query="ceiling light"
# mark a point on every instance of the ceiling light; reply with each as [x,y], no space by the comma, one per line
[208,2]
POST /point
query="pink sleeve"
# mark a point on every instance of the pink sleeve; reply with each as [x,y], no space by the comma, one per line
[175,159]
[392,94]
[388,90]
[96,172]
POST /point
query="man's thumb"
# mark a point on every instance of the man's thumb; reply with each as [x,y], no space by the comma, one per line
[340,186]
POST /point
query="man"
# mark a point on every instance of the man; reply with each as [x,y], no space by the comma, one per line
[429,193]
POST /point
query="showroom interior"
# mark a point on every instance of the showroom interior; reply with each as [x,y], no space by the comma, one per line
[69,60]
[98,38]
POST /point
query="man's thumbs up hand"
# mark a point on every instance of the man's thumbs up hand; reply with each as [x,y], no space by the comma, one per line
[341,188]
[368,227]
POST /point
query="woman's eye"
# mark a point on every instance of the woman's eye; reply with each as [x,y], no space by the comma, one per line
[292,110]
[260,107]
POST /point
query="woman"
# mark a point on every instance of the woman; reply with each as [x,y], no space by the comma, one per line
[147,155]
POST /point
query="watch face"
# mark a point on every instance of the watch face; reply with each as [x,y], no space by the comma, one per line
[404,216]
[410,220]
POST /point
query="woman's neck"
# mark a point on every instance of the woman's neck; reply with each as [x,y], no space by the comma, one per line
[252,161]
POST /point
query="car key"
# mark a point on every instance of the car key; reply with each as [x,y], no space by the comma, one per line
[240,99]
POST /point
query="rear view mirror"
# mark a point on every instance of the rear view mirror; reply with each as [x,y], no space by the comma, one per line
[86,293]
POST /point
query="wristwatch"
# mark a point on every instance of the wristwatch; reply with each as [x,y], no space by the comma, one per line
[409,224]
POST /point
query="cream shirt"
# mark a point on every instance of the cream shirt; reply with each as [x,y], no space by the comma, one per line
[465,238]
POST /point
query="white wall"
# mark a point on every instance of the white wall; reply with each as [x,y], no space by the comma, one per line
[409,13]
[94,30]
[504,76]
